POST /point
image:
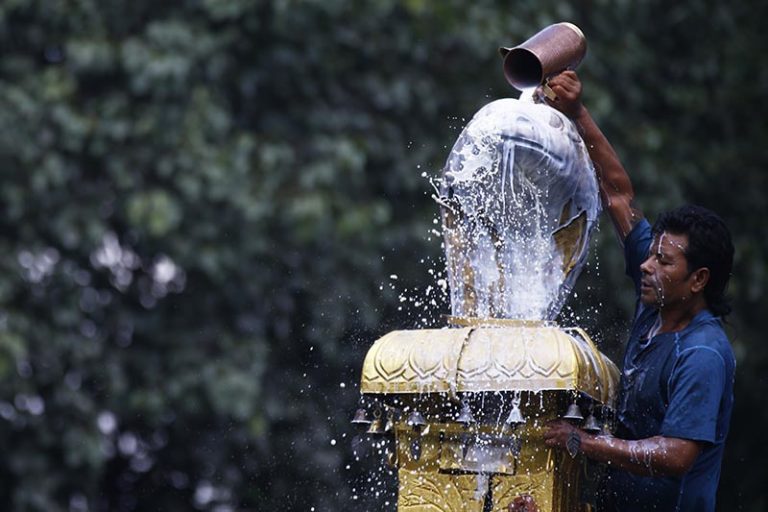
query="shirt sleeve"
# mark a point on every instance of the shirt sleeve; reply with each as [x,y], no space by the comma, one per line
[636,247]
[695,391]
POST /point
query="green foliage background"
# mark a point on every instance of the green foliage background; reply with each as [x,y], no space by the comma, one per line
[202,202]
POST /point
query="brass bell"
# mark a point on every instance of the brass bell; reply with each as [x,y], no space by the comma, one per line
[515,447]
[391,457]
[515,417]
[465,416]
[416,420]
[591,425]
[377,425]
[390,425]
[361,419]
[415,449]
[464,439]
[573,413]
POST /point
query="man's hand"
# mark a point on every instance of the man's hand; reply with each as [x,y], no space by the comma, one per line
[559,432]
[567,88]
[523,503]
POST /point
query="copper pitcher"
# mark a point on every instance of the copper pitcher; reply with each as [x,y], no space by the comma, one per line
[554,49]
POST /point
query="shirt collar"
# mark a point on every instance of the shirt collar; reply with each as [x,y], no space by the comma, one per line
[702,317]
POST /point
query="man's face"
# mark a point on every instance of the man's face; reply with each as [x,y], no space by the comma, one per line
[665,280]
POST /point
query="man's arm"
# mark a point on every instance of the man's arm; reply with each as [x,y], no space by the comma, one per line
[655,456]
[616,189]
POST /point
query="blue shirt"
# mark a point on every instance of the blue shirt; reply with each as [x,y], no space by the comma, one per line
[677,384]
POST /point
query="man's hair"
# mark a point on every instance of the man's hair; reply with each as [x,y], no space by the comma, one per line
[709,245]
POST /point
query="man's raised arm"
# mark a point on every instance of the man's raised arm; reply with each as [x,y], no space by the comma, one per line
[616,189]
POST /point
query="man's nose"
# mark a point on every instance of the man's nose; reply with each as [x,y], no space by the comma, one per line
[646,267]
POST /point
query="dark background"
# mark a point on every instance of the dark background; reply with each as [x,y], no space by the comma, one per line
[202,203]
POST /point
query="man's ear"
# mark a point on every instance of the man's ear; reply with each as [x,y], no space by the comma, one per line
[699,279]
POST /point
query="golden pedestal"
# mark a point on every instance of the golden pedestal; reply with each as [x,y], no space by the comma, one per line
[487,368]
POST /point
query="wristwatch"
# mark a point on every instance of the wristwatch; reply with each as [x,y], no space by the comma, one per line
[573,443]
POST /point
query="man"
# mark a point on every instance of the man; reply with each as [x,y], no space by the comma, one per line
[676,392]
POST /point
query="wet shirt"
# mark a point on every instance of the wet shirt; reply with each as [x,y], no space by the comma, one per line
[677,384]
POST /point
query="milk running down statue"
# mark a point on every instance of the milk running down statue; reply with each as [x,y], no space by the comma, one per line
[519,199]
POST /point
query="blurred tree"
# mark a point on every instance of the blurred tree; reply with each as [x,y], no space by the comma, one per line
[202,203]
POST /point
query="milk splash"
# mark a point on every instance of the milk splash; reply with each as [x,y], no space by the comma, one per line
[519,199]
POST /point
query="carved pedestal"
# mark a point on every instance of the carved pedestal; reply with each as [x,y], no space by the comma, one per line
[482,464]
